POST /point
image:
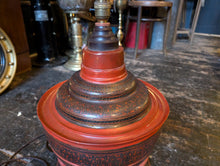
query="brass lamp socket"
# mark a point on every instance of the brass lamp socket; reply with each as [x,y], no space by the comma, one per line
[102,10]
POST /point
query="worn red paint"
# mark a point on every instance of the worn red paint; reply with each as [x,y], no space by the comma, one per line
[102,119]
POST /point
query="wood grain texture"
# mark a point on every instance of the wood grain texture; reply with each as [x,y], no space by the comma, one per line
[11,21]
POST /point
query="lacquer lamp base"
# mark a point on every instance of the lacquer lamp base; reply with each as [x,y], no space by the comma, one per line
[102,115]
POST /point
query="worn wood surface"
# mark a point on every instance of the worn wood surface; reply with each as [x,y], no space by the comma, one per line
[189,77]
[11,21]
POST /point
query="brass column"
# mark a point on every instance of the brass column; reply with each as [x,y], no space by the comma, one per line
[75,9]
[75,55]
[120,5]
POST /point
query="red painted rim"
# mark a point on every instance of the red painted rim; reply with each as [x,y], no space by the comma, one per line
[99,68]
[102,139]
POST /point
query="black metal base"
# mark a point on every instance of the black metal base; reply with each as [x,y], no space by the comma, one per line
[60,60]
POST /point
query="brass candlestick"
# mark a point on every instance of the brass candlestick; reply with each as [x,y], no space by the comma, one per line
[120,5]
[75,53]
[74,8]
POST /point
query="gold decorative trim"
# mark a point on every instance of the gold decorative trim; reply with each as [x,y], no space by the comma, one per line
[9,61]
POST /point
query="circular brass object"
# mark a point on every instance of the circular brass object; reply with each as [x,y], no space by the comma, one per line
[8,62]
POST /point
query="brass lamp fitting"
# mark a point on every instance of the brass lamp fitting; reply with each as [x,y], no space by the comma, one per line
[102,10]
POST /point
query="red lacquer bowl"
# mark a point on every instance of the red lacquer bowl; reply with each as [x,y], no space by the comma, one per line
[126,145]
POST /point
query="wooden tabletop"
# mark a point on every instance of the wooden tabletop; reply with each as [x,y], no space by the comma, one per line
[150,3]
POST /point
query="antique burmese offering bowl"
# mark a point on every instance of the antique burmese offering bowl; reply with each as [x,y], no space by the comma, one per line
[102,115]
